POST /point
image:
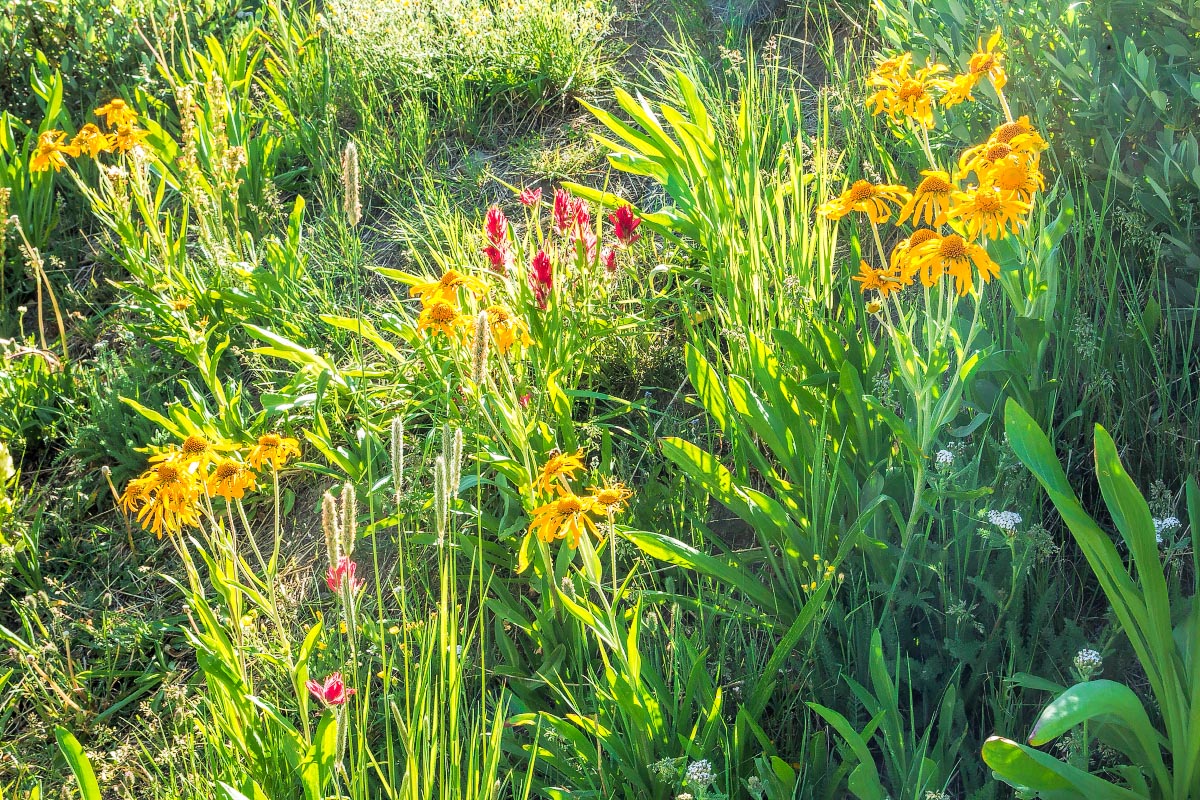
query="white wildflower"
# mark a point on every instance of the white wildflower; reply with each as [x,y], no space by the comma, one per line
[1006,521]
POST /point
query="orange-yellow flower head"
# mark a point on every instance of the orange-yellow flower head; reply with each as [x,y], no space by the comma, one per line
[446,288]
[871,279]
[128,137]
[92,141]
[165,498]
[901,266]
[1017,179]
[559,467]
[441,316]
[953,255]
[876,201]
[567,517]
[274,450]
[50,151]
[930,202]
[506,329]
[230,479]
[985,211]
[116,113]
[900,94]
[988,62]
[611,497]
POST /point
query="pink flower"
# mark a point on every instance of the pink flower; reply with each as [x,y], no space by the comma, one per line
[332,692]
[608,257]
[587,236]
[501,258]
[564,214]
[524,400]
[624,224]
[541,277]
[495,225]
[340,573]
[531,197]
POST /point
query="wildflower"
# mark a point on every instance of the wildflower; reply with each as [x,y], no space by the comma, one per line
[873,200]
[196,452]
[567,517]
[892,68]
[441,317]
[583,239]
[1006,521]
[541,278]
[116,113]
[230,479]
[506,329]
[954,255]
[525,400]
[530,197]
[874,307]
[987,62]
[333,692]
[181,304]
[167,495]
[340,576]
[902,268]
[944,459]
[958,90]
[274,449]
[931,200]
[128,137]
[560,466]
[907,95]
[495,226]
[569,212]
[608,257]
[611,497]
[982,158]
[446,288]
[1164,526]
[624,224]
[878,280]
[91,141]
[699,774]
[51,148]
[1020,135]
[1019,180]
[1088,663]
[984,210]
[501,259]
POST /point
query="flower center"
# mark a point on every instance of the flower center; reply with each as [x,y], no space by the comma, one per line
[607,497]
[953,247]
[451,279]
[860,191]
[1010,177]
[442,313]
[569,505]
[167,473]
[922,236]
[1008,130]
[983,62]
[934,185]
[997,152]
[270,440]
[226,471]
[912,90]
[987,202]
[194,446]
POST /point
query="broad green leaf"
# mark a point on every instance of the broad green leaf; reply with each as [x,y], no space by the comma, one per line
[1024,767]
[89,789]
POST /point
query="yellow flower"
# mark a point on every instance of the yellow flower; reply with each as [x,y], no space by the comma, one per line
[506,329]
[988,62]
[274,449]
[567,517]
[611,497]
[49,152]
[1020,136]
[116,113]
[1017,179]
[230,479]
[871,279]
[958,90]
[899,93]
[128,137]
[198,451]
[873,200]
[902,268]
[981,158]
[91,141]
[441,316]
[446,288]
[984,210]
[954,255]
[561,466]
[931,200]
[874,307]
[165,497]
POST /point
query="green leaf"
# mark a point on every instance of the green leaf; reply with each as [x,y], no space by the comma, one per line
[1026,768]
[89,789]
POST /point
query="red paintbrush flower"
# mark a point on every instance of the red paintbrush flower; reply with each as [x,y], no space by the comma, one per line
[531,197]
[332,692]
[541,277]
[624,224]
[608,257]
[501,258]
[495,225]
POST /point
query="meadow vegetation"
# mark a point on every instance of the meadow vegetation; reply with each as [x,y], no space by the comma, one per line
[484,399]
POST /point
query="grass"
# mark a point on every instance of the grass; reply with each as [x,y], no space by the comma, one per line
[807,592]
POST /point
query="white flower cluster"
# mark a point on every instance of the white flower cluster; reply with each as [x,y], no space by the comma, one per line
[944,459]
[1164,526]
[1006,521]
[699,774]
[1088,663]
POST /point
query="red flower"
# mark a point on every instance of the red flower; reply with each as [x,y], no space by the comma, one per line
[588,236]
[564,216]
[524,400]
[541,277]
[340,573]
[608,257]
[332,692]
[624,224]
[501,258]
[495,225]
[531,197]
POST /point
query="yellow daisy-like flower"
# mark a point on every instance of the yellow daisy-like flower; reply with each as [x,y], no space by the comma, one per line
[931,200]
[445,289]
[1017,179]
[901,266]
[907,95]
[872,279]
[953,255]
[116,113]
[165,497]
[197,450]
[958,90]
[981,158]
[567,517]
[876,201]
[984,210]
[506,329]
[988,62]
[611,497]
[230,479]
[1020,135]
[891,69]
[559,467]
[128,137]
[273,449]
[441,316]
[92,141]
[51,148]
